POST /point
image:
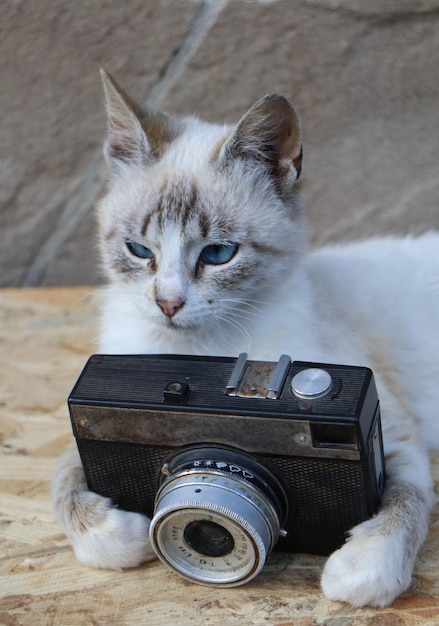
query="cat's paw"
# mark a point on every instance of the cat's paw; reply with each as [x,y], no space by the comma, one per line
[107,537]
[369,570]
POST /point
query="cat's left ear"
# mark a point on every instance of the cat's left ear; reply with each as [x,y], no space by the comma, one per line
[269,133]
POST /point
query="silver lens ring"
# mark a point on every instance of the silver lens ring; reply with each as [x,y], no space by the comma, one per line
[213,529]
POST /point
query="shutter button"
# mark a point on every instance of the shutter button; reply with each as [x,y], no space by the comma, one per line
[311,383]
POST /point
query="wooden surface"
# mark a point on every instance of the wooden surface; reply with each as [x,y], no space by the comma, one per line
[45,338]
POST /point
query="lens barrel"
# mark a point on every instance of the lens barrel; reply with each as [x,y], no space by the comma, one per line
[217,516]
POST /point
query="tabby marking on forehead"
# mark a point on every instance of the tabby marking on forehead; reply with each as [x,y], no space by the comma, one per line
[145,224]
[203,224]
[177,203]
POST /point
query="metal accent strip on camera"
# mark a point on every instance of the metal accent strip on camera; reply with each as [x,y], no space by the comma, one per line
[279,377]
[171,429]
[237,374]
[249,378]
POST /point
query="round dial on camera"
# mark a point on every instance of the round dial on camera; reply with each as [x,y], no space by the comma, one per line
[311,383]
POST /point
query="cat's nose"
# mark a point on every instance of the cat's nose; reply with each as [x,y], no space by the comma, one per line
[170,307]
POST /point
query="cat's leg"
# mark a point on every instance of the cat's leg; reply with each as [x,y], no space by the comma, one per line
[376,563]
[101,535]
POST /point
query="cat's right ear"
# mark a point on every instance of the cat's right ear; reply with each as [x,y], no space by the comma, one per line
[134,134]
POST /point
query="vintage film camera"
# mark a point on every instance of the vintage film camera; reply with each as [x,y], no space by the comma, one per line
[229,457]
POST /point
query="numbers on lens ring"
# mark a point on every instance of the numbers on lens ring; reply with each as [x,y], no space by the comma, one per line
[185,551]
[209,563]
[221,465]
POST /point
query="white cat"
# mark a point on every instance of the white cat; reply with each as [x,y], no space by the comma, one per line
[204,241]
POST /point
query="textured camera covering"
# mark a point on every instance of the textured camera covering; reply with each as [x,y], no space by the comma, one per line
[45,337]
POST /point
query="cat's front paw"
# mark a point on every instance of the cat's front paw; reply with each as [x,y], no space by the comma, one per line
[369,570]
[109,538]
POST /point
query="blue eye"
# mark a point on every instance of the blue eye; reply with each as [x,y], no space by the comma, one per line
[140,251]
[218,254]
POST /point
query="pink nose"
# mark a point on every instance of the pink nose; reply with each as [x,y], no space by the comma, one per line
[170,307]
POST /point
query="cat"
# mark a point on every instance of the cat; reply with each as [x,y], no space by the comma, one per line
[204,241]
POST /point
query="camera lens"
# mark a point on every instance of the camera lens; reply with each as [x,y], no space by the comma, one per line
[217,516]
[208,538]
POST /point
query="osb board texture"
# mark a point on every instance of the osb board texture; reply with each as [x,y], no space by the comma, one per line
[45,338]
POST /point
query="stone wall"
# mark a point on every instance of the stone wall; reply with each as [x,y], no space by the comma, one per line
[363,75]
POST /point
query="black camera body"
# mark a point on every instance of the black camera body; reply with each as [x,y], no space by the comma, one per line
[230,457]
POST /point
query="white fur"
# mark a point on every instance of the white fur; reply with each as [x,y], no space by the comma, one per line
[373,303]
[363,571]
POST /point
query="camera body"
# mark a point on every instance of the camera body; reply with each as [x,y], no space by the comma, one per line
[231,458]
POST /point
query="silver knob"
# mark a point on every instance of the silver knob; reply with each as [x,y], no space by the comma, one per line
[311,383]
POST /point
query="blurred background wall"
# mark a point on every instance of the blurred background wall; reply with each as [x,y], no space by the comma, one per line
[363,75]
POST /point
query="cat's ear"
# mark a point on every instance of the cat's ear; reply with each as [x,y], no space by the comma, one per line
[269,133]
[135,135]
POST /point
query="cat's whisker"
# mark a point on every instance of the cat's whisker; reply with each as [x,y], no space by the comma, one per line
[248,316]
[237,314]
[242,311]
[237,325]
[246,302]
